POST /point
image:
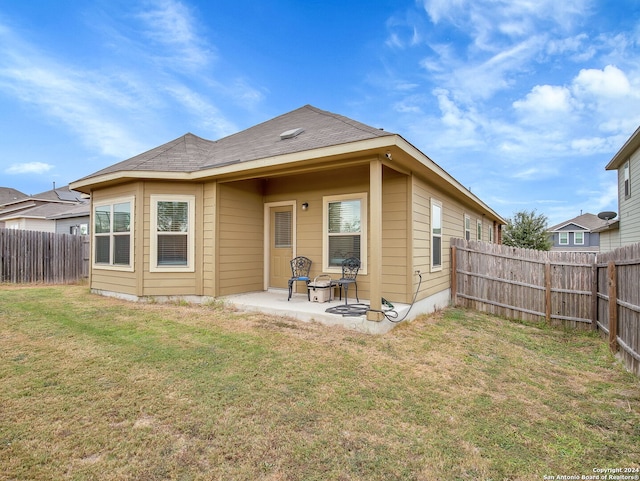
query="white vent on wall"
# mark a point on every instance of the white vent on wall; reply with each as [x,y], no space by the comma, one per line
[289,134]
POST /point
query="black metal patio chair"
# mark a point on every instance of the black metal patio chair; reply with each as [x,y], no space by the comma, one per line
[300,267]
[350,268]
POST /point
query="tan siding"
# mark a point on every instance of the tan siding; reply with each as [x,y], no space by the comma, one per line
[172,283]
[453,212]
[394,236]
[240,237]
[421,239]
[114,281]
[209,243]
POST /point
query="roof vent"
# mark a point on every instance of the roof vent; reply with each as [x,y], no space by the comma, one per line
[290,134]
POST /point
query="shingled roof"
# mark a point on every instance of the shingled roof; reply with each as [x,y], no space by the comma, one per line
[588,222]
[307,128]
[9,194]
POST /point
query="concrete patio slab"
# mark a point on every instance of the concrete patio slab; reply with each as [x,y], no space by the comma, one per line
[274,301]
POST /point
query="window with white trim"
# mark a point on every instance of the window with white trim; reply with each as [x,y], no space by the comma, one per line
[479,229]
[578,238]
[467,227]
[491,227]
[113,234]
[345,231]
[172,233]
[627,181]
[436,235]
[563,238]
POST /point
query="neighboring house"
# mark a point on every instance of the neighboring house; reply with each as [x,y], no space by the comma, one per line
[9,195]
[578,234]
[199,219]
[73,220]
[626,229]
[41,211]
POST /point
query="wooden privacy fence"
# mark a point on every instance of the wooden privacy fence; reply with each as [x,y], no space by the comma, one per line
[31,256]
[570,288]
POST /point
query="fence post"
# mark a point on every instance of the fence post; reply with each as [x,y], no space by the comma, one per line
[454,276]
[547,288]
[594,295]
[613,306]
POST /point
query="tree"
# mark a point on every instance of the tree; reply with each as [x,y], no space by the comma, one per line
[528,230]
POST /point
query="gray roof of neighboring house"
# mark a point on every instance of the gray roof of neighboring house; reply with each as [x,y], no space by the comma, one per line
[587,221]
[60,194]
[78,210]
[191,153]
[44,211]
[7,194]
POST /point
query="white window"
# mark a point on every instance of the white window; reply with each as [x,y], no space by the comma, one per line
[172,233]
[113,234]
[490,233]
[563,238]
[467,227]
[627,181]
[436,235]
[578,238]
[479,230]
[345,231]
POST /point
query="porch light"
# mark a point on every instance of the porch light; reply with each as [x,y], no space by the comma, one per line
[305,205]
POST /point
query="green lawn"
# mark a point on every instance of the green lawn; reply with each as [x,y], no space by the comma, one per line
[96,388]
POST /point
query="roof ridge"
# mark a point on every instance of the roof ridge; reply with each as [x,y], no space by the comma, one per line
[347,120]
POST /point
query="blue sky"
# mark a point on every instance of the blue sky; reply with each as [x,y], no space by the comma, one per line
[522,101]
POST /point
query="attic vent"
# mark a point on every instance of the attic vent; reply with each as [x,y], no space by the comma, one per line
[290,134]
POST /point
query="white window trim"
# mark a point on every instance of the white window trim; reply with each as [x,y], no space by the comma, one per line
[110,266]
[479,229]
[364,253]
[560,239]
[439,204]
[575,242]
[466,220]
[153,234]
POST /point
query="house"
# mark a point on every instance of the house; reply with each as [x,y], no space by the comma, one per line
[42,211]
[626,229]
[577,234]
[201,219]
[8,196]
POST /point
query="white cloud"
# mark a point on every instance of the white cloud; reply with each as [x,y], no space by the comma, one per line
[610,82]
[29,168]
[487,20]
[545,99]
[171,24]
[453,118]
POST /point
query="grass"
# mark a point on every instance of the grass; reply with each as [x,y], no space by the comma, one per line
[96,388]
